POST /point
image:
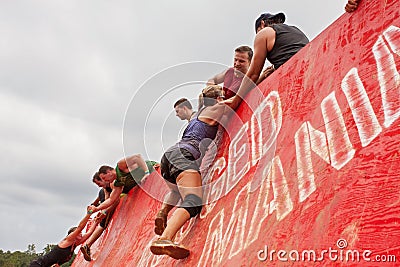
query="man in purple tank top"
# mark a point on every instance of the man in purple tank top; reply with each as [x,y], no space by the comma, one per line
[232,77]
[183,109]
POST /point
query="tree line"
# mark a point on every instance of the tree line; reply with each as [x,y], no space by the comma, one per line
[24,258]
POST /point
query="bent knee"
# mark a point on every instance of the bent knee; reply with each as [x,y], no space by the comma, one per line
[192,204]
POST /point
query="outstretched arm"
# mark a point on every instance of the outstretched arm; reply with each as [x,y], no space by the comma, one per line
[217,79]
[70,239]
[96,202]
[132,162]
[96,221]
[116,192]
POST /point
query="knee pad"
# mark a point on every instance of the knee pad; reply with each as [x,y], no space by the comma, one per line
[193,204]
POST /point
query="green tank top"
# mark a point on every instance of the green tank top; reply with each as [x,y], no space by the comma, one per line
[132,178]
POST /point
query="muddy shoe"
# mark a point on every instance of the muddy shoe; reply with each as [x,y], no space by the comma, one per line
[167,247]
[86,252]
[160,222]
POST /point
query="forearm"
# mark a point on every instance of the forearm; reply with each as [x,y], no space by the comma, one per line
[90,231]
[142,164]
[106,204]
[83,222]
[211,82]
[248,83]
[109,201]
[132,163]
[96,202]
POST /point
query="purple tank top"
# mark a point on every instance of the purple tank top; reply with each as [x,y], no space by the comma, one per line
[197,136]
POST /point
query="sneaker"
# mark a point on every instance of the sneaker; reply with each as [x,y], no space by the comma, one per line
[167,247]
[86,252]
[160,222]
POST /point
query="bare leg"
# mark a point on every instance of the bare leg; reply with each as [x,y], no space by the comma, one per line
[170,200]
[96,234]
[188,182]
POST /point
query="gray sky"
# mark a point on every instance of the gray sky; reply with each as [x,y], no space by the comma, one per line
[71,70]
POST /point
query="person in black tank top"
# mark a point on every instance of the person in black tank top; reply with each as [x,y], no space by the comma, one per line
[63,251]
[274,41]
[180,169]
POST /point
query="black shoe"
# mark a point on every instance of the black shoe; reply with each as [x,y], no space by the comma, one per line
[160,222]
[86,252]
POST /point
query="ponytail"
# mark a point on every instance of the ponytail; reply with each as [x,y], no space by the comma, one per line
[209,95]
[201,100]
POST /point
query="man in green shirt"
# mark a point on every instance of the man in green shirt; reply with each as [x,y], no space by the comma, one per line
[128,173]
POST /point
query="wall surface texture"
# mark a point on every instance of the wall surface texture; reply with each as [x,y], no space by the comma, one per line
[310,172]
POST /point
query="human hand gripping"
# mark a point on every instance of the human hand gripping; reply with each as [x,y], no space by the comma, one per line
[100,216]
[91,209]
[351,5]
[232,102]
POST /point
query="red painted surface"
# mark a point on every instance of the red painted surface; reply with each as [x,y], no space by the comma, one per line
[331,173]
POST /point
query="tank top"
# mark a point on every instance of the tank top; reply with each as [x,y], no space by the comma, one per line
[56,255]
[197,136]
[231,83]
[132,178]
[288,41]
[102,195]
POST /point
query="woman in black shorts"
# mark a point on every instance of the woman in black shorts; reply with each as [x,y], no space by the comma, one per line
[180,168]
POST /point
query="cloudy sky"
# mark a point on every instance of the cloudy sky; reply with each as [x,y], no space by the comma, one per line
[82,83]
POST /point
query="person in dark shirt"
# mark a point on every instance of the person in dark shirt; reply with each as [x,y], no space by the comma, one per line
[183,109]
[63,251]
[104,194]
[274,41]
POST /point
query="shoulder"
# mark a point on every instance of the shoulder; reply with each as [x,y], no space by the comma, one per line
[122,166]
[266,33]
[66,242]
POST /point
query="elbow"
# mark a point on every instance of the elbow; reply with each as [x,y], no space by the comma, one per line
[254,77]
[137,156]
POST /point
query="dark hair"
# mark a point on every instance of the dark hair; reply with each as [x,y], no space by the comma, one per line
[72,229]
[183,102]
[103,169]
[209,95]
[270,19]
[96,177]
[244,49]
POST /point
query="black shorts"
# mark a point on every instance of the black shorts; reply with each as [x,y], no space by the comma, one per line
[175,161]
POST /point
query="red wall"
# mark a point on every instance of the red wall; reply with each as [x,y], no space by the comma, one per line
[313,164]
